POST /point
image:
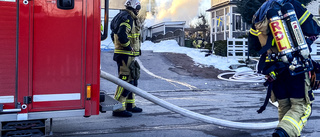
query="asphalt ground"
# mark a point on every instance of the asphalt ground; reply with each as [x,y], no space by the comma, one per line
[233,101]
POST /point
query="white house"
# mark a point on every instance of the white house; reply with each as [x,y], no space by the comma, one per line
[226,23]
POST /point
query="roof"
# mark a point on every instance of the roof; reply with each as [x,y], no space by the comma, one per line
[169,23]
[222,4]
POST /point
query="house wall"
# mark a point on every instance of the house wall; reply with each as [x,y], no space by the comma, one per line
[232,24]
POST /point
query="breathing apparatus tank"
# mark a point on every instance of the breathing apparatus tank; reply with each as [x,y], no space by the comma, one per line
[295,29]
[280,34]
[289,38]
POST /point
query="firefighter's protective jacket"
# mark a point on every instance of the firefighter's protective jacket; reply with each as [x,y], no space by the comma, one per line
[198,43]
[126,33]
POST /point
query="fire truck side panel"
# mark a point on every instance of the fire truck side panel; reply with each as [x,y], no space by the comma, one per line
[94,39]
[8,40]
[88,19]
[23,52]
[93,61]
[96,55]
[58,55]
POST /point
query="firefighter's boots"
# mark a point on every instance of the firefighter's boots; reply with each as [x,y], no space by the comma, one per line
[121,114]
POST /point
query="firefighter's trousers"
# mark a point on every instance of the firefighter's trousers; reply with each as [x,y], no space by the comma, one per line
[294,103]
[122,95]
[293,115]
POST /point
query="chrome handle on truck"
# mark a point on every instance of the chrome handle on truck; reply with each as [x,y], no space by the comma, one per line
[9,110]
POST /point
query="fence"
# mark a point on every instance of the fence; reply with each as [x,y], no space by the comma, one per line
[237,48]
[315,48]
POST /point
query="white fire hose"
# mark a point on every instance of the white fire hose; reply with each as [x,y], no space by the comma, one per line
[244,76]
[185,112]
[248,76]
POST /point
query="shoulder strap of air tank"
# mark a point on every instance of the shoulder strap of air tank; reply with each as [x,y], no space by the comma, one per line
[268,45]
[266,100]
[263,53]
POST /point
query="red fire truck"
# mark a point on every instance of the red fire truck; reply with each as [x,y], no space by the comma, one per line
[49,62]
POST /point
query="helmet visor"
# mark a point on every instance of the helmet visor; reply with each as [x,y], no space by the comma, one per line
[138,7]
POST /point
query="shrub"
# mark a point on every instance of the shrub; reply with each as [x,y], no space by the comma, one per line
[220,48]
[208,46]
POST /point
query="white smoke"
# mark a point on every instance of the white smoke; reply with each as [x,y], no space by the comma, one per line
[178,10]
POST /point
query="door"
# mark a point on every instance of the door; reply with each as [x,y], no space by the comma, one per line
[8,53]
[58,55]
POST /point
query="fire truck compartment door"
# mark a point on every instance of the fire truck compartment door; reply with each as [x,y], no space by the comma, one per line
[58,56]
[8,53]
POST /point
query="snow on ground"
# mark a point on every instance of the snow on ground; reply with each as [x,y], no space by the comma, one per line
[107,45]
[198,57]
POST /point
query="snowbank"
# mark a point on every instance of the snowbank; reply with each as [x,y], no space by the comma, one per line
[198,57]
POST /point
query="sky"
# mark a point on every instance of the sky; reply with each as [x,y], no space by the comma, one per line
[178,10]
[198,57]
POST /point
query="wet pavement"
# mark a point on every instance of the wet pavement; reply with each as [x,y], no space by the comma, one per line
[212,97]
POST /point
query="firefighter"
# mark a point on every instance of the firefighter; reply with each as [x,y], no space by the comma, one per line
[101,29]
[292,92]
[126,37]
[199,42]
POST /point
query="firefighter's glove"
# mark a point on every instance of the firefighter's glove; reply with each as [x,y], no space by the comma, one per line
[272,76]
[135,70]
[129,48]
[273,56]
[313,38]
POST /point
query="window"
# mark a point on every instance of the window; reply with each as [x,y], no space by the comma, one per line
[222,24]
[237,22]
[214,24]
[227,15]
[218,25]
[227,22]
[220,20]
[213,21]
[227,10]
[248,26]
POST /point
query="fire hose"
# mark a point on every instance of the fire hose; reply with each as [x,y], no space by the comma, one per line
[185,112]
[247,76]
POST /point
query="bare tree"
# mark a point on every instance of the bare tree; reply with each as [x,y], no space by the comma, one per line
[202,24]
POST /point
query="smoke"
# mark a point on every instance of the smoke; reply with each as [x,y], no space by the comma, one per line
[169,10]
[116,4]
[177,10]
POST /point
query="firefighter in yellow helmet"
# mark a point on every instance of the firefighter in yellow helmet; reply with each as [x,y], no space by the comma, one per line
[289,87]
[126,37]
